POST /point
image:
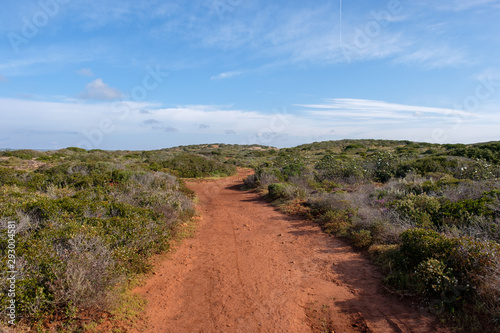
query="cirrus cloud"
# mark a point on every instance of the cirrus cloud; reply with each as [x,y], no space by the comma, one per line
[226,75]
[85,72]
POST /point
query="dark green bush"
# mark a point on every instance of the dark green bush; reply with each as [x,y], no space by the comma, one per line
[422,209]
[473,259]
[292,170]
[283,191]
[435,164]
[188,165]
[276,191]
[76,150]
[361,239]
[385,166]
[418,245]
[488,152]
[436,277]
[460,212]
[337,222]
[334,169]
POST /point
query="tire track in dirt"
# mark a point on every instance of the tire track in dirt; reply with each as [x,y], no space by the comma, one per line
[250,268]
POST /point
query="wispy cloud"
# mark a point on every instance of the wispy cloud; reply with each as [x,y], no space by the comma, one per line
[490,74]
[98,90]
[311,35]
[370,109]
[85,72]
[103,13]
[3,78]
[459,5]
[434,57]
[260,33]
[226,75]
[44,59]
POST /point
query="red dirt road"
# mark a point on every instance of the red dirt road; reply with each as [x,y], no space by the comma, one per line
[250,268]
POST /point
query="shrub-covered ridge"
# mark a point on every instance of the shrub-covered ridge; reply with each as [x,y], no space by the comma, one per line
[428,213]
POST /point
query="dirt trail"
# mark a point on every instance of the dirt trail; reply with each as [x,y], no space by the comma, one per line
[252,269]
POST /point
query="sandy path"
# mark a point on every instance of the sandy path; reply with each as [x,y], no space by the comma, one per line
[252,269]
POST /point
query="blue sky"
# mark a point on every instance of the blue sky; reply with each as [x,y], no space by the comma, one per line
[152,74]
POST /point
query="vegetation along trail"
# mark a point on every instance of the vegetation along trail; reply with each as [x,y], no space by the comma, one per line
[250,268]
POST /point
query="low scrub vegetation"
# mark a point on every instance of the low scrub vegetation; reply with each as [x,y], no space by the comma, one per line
[87,221]
[190,165]
[429,214]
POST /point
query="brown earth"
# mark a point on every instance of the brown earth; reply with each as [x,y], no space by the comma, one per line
[250,268]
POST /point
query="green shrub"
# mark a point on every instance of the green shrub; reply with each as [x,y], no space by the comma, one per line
[76,150]
[284,191]
[354,146]
[478,170]
[436,277]
[333,169]
[385,166]
[361,239]
[276,191]
[292,170]
[330,202]
[418,245]
[421,209]
[263,177]
[460,212]
[337,222]
[10,176]
[188,165]
[431,186]
[384,254]
[488,152]
[473,259]
[435,164]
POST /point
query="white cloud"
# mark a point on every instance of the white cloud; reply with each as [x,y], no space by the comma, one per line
[334,119]
[361,108]
[358,118]
[99,90]
[85,72]
[226,75]
[365,107]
